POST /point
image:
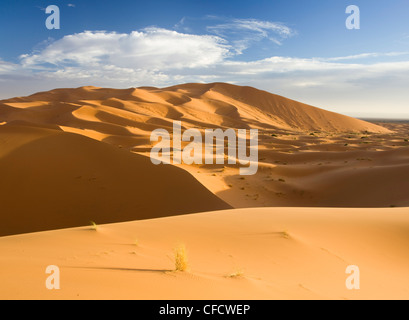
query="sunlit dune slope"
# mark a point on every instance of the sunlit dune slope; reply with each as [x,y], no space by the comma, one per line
[127,114]
[281,253]
[51,179]
[307,156]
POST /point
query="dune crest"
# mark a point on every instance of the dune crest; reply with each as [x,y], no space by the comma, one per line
[53,180]
[304,152]
[71,156]
[199,105]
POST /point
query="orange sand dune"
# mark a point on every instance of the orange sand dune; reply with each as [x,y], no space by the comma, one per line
[350,178]
[235,254]
[319,170]
[308,156]
[57,173]
[51,179]
[200,105]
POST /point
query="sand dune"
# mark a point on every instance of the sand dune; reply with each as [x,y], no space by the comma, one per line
[51,180]
[199,105]
[71,156]
[319,170]
[308,156]
[339,178]
[280,253]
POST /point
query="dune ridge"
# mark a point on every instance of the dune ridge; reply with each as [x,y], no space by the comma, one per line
[200,105]
[52,180]
[71,156]
[307,156]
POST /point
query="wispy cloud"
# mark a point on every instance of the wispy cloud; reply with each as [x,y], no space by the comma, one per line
[161,57]
[181,26]
[262,28]
[367,55]
[243,32]
[239,33]
[7,67]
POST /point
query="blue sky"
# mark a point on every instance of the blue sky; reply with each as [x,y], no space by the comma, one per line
[297,48]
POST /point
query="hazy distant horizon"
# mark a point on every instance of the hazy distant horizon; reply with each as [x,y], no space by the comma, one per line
[358,115]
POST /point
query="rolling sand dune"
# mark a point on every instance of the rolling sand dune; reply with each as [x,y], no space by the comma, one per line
[280,253]
[51,180]
[314,151]
[198,105]
[71,156]
[367,175]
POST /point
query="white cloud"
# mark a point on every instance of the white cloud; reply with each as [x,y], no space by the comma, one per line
[367,55]
[263,28]
[8,68]
[243,32]
[161,57]
[152,49]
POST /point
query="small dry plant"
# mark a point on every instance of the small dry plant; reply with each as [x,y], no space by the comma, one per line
[93,226]
[181,261]
[236,274]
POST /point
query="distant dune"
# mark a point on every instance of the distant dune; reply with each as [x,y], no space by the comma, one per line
[128,114]
[52,180]
[307,156]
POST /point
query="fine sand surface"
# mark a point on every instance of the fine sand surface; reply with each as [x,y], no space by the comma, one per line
[112,114]
[51,179]
[324,170]
[281,253]
[307,156]
[330,191]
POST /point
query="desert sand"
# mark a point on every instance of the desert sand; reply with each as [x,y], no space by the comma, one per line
[327,194]
[265,253]
[52,179]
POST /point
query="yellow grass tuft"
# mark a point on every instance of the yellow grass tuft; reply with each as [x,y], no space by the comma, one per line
[286,234]
[181,261]
[94,226]
[236,274]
